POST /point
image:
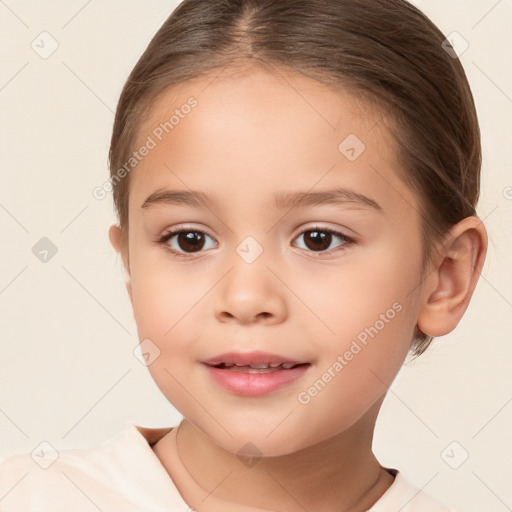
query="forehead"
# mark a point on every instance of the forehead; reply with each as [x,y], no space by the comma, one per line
[259,98]
[258,130]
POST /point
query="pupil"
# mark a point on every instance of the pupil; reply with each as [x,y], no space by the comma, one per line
[321,240]
[191,239]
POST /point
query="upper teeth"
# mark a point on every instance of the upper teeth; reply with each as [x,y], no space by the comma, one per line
[262,366]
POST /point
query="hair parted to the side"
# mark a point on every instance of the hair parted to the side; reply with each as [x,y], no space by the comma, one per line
[385,51]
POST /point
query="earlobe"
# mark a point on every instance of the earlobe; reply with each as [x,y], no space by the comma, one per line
[451,284]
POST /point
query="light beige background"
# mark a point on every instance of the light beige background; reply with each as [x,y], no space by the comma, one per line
[68,374]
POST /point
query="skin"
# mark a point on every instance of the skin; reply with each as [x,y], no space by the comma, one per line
[251,136]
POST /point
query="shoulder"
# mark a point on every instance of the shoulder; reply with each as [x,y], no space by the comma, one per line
[121,472]
[404,496]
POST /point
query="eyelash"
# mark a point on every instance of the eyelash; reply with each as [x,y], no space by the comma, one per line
[170,234]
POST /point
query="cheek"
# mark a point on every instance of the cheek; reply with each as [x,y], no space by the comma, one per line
[163,289]
[167,305]
[167,309]
[353,296]
[367,323]
[357,365]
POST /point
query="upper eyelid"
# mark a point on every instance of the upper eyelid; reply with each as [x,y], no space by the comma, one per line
[170,234]
[186,228]
[180,228]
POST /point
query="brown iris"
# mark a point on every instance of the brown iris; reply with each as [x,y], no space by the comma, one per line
[192,240]
[320,240]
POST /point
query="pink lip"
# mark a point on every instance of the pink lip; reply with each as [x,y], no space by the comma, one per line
[255,384]
[248,358]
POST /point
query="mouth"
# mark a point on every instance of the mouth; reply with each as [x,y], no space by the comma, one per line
[257,368]
[255,373]
[256,361]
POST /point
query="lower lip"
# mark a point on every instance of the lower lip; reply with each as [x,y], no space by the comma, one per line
[255,384]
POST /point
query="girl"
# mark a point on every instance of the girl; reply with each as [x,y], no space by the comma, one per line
[296,185]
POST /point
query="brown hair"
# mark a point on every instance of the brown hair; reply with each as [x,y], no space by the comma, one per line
[386,51]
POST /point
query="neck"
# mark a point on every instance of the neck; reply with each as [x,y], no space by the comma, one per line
[337,474]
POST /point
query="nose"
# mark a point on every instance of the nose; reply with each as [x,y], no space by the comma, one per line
[250,293]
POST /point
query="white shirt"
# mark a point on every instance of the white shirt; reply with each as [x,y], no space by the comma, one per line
[123,474]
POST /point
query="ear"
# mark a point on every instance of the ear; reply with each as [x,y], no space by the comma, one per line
[450,285]
[114,235]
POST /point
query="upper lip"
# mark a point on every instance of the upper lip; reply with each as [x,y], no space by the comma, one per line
[250,358]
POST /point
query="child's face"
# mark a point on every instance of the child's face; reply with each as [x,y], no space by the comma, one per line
[347,308]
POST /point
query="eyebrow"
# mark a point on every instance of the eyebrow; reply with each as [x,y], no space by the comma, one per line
[282,200]
[334,196]
[178,197]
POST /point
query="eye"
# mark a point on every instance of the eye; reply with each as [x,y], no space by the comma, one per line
[184,241]
[189,241]
[319,239]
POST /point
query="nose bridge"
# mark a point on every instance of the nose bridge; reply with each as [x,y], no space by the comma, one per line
[250,291]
